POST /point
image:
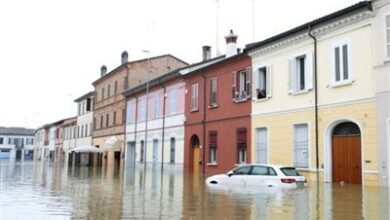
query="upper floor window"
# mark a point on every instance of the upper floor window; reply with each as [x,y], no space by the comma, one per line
[241,84]
[388,35]
[173,101]
[114,118]
[101,121]
[115,87]
[342,62]
[213,92]
[107,119]
[194,97]
[301,73]
[102,93]
[263,82]
[156,105]
[108,90]
[1,140]
[142,113]
[130,112]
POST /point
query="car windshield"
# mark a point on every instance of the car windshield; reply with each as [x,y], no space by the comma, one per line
[289,171]
[242,170]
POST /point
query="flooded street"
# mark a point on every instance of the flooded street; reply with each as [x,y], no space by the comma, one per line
[47,191]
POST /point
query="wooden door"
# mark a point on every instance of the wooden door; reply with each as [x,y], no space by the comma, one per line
[196,159]
[346,159]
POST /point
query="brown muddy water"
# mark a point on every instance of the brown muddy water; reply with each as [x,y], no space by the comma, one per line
[49,191]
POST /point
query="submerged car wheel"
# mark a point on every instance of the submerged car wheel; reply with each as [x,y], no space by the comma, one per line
[213,182]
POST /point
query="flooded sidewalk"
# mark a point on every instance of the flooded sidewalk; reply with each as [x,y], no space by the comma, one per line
[50,191]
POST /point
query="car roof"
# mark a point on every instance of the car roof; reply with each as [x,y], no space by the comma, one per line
[267,165]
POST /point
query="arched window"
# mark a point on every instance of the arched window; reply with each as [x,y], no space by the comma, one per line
[346,129]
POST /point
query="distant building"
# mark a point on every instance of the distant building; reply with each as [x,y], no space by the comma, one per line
[110,105]
[16,143]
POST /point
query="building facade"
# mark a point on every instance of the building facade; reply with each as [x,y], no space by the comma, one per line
[322,101]
[155,120]
[110,105]
[16,143]
[217,110]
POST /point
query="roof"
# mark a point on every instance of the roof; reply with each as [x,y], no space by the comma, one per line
[135,61]
[89,94]
[54,123]
[173,74]
[364,5]
[16,131]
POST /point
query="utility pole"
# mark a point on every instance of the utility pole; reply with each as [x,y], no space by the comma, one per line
[147,104]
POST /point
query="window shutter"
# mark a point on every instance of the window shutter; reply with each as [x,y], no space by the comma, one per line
[268,81]
[211,93]
[309,70]
[248,81]
[290,75]
[234,85]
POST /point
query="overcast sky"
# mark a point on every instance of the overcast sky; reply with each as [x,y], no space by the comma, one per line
[51,51]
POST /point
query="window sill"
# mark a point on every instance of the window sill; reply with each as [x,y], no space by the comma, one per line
[241,100]
[239,164]
[212,164]
[194,110]
[212,106]
[261,100]
[300,92]
[342,83]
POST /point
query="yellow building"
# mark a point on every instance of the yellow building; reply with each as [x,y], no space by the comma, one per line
[323,96]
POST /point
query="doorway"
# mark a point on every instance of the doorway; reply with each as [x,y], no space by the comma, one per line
[195,154]
[130,153]
[346,153]
[155,151]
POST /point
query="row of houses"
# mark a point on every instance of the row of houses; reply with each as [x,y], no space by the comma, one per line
[316,97]
[16,143]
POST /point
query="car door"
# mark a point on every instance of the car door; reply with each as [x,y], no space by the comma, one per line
[262,176]
[240,176]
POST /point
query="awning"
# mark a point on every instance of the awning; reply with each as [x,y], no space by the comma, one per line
[111,144]
[86,149]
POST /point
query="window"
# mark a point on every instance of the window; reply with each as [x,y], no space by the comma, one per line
[213,147]
[82,131]
[261,170]
[263,85]
[213,92]
[83,108]
[115,87]
[194,97]
[101,121]
[388,35]
[142,113]
[142,151]
[86,130]
[261,145]
[89,104]
[114,118]
[301,73]
[79,109]
[123,116]
[301,144]
[241,84]
[108,90]
[90,129]
[241,145]
[156,105]
[102,93]
[341,62]
[172,150]
[173,101]
[94,123]
[1,140]
[242,170]
[107,119]
[130,112]
[126,82]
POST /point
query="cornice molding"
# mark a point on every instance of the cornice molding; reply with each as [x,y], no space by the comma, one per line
[318,31]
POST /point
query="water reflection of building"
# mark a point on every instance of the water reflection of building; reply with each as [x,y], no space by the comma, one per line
[16,143]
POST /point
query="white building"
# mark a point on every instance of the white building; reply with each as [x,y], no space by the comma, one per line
[16,143]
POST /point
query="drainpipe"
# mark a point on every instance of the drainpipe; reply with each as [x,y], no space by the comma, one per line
[163,127]
[135,122]
[315,98]
[204,123]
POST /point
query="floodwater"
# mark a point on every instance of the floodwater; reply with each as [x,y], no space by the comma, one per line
[48,191]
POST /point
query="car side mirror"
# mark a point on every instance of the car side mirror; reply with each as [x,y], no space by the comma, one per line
[230,173]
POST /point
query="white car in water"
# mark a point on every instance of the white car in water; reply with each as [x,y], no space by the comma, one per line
[260,175]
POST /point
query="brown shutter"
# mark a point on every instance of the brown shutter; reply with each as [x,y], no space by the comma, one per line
[234,85]
[248,81]
[241,137]
[213,139]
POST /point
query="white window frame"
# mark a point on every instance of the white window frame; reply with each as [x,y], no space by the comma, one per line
[173,101]
[387,36]
[194,96]
[142,115]
[308,145]
[268,80]
[258,148]
[295,76]
[130,112]
[342,81]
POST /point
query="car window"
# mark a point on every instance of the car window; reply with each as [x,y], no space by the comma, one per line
[289,171]
[261,170]
[242,170]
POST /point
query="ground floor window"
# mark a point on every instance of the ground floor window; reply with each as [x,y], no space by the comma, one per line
[261,145]
[301,146]
[241,145]
[172,151]
[142,151]
[213,147]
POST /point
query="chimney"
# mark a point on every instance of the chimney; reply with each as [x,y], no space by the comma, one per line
[206,52]
[103,70]
[125,57]
[231,44]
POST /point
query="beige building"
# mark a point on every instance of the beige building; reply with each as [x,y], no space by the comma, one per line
[109,116]
[323,96]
